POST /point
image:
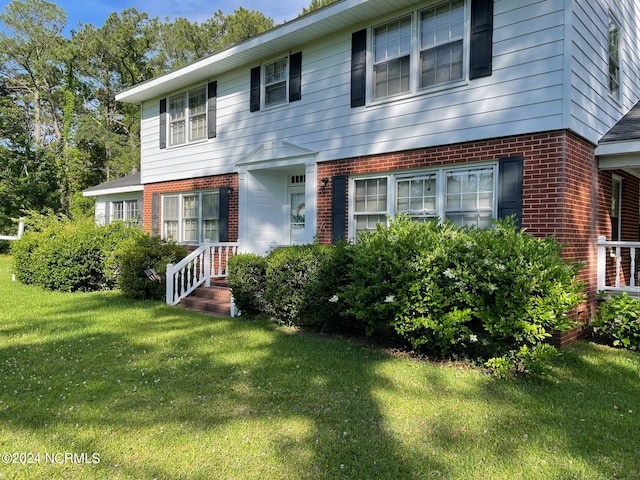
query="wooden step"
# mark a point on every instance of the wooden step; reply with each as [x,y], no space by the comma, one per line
[214,300]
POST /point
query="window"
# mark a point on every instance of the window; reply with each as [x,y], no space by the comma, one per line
[188,116]
[370,203]
[441,44]
[275,82]
[614,56]
[440,48]
[125,210]
[191,217]
[392,58]
[464,196]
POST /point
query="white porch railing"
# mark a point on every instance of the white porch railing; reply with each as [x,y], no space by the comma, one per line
[198,268]
[15,237]
[618,266]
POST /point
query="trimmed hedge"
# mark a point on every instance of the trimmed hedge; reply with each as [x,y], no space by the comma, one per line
[493,295]
[141,253]
[59,254]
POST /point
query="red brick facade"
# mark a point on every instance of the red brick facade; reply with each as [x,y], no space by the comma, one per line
[561,192]
[187,185]
[564,194]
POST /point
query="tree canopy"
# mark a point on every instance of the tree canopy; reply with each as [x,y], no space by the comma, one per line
[61,129]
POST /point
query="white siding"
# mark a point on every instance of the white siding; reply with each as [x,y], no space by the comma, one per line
[592,110]
[527,92]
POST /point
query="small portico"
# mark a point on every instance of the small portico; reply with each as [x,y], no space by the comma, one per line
[277,203]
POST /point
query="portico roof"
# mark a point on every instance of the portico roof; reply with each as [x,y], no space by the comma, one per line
[619,148]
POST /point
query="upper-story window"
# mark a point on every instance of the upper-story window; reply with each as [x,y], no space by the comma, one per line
[188,116]
[275,82]
[440,32]
[614,56]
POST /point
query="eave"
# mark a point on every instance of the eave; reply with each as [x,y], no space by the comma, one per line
[291,35]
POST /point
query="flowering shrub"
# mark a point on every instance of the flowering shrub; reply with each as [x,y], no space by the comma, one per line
[618,321]
[450,291]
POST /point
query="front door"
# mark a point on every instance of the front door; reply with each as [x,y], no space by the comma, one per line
[296,215]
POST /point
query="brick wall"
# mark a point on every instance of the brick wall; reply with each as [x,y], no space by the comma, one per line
[560,188]
[203,183]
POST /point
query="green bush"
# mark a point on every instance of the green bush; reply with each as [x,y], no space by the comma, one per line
[141,253]
[451,291]
[301,285]
[618,321]
[59,254]
[247,279]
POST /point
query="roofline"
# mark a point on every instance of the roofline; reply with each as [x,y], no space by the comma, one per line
[304,29]
[112,191]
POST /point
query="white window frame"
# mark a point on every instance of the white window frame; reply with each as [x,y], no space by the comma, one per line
[267,82]
[415,62]
[181,121]
[184,219]
[124,211]
[439,177]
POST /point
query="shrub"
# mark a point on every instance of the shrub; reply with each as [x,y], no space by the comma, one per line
[59,254]
[247,279]
[618,321]
[301,284]
[451,291]
[141,253]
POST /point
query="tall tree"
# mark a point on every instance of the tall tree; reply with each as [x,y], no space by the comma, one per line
[31,119]
[113,57]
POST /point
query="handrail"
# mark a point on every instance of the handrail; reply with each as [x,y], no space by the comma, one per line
[625,276]
[198,268]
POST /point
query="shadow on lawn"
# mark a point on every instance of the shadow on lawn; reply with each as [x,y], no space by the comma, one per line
[136,389]
[83,387]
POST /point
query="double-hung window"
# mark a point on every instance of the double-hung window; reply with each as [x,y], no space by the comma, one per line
[275,82]
[442,44]
[463,196]
[191,217]
[188,116]
[419,51]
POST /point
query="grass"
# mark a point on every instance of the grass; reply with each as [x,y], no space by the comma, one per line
[158,392]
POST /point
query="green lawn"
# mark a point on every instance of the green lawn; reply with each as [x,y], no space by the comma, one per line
[158,392]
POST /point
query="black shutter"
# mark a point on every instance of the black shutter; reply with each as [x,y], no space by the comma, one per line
[254,101]
[481,38]
[223,218]
[358,68]
[154,215]
[163,123]
[212,96]
[338,208]
[295,77]
[510,187]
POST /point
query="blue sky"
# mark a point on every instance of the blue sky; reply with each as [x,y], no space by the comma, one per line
[97,11]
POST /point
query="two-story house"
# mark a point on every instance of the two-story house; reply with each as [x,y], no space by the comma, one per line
[464,110]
